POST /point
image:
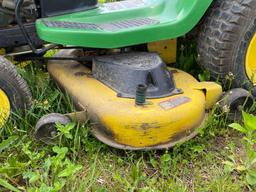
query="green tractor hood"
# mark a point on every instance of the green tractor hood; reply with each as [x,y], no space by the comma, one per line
[124,23]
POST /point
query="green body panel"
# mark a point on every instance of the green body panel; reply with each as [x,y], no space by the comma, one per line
[175,18]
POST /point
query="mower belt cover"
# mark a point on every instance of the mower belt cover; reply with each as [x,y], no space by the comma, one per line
[160,123]
[60,7]
[124,23]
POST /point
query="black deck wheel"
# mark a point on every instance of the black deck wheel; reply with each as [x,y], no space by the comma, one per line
[227,42]
[235,101]
[46,131]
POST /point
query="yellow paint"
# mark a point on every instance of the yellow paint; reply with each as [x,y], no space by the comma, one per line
[131,125]
[2,51]
[167,49]
[4,108]
[212,90]
[250,64]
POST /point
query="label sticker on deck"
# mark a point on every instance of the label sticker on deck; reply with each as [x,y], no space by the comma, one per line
[117,6]
[175,102]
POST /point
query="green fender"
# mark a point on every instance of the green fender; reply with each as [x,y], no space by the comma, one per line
[124,23]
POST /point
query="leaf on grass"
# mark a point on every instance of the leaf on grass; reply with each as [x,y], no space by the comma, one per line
[205,76]
[32,176]
[251,177]
[241,168]
[253,160]
[8,186]
[58,185]
[65,129]
[61,154]
[198,148]
[249,121]
[60,150]
[70,170]
[135,173]
[238,127]
[232,158]
[228,166]
[154,162]
[165,158]
[44,188]
[229,163]
[7,143]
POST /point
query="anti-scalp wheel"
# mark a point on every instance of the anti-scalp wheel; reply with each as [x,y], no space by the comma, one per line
[234,102]
[46,131]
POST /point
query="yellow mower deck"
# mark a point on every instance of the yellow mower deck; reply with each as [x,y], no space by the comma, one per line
[118,122]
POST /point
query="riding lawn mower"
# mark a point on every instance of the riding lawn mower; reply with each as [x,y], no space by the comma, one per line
[114,64]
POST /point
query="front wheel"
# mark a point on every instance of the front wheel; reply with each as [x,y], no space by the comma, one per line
[14,92]
[227,42]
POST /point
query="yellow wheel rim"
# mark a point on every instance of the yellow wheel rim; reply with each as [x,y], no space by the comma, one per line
[250,64]
[5,108]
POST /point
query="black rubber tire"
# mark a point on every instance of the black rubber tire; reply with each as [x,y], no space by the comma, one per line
[224,37]
[14,86]
[46,125]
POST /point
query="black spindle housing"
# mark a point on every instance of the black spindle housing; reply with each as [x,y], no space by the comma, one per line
[59,7]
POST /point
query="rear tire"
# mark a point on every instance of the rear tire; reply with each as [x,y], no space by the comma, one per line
[226,32]
[14,86]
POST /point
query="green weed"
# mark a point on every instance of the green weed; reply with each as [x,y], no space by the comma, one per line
[245,163]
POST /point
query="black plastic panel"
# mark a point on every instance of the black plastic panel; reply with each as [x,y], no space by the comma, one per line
[59,7]
[124,72]
[13,37]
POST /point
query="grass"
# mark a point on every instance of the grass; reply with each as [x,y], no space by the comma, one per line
[194,166]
